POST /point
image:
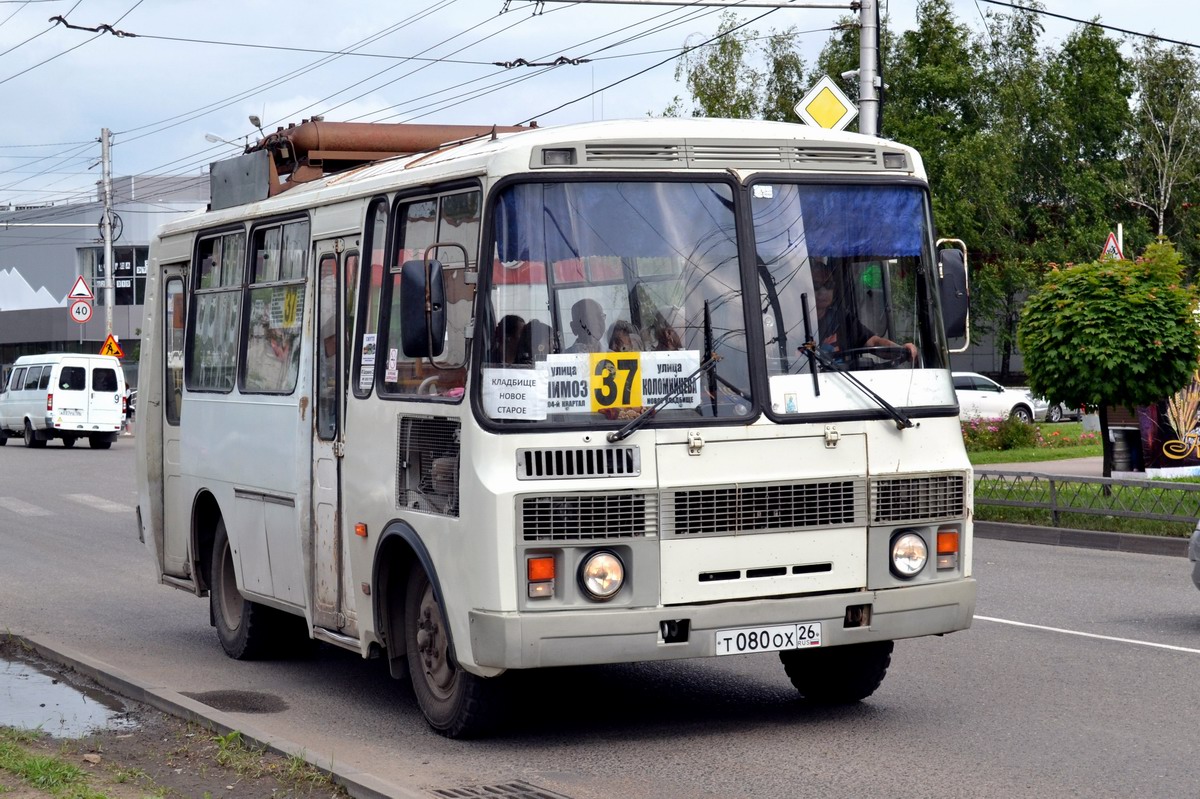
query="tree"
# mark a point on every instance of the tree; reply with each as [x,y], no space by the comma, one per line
[1112,333]
[719,76]
[1165,154]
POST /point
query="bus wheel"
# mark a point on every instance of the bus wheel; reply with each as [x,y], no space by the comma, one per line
[455,702]
[68,441]
[838,675]
[242,626]
[99,443]
[31,438]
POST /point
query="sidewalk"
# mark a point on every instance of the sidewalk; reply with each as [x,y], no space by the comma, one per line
[1079,467]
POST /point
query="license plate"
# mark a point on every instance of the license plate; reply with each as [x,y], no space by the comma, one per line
[774,638]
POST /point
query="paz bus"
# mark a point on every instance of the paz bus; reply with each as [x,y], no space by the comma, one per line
[472,400]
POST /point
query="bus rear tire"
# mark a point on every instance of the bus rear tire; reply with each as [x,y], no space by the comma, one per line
[838,675]
[68,441]
[96,442]
[456,703]
[242,626]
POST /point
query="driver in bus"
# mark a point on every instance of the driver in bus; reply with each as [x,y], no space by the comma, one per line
[833,321]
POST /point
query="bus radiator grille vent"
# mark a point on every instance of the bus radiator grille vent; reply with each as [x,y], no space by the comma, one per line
[574,462]
[585,517]
[738,509]
[918,498]
[427,464]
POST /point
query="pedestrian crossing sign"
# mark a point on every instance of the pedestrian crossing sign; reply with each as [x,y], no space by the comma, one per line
[1112,250]
[111,347]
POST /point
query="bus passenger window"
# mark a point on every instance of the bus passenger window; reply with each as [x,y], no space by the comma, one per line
[276,309]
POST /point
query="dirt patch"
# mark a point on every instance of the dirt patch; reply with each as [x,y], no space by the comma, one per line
[151,754]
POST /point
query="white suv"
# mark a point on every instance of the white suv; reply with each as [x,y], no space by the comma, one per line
[982,397]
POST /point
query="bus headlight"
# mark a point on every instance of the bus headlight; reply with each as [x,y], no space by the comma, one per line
[909,554]
[601,575]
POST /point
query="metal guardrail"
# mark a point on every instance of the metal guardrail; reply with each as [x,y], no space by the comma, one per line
[1097,496]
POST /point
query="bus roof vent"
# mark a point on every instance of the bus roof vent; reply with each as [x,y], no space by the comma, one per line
[737,154]
[832,157]
[635,154]
[576,462]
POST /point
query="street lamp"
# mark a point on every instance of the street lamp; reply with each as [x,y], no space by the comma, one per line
[215,139]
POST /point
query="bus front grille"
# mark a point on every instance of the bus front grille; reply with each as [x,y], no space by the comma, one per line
[909,499]
[737,509]
[580,517]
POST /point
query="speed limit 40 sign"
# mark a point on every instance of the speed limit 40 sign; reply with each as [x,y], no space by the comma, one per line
[81,311]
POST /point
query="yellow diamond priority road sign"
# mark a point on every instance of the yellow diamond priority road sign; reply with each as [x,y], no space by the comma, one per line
[826,106]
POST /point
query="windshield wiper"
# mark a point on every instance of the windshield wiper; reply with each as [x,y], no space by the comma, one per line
[898,416]
[637,421]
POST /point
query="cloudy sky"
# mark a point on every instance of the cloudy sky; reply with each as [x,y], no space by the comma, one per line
[186,68]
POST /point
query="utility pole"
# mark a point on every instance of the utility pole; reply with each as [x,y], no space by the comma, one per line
[868,43]
[109,271]
[868,60]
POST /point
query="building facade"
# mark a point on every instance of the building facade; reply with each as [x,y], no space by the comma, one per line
[45,249]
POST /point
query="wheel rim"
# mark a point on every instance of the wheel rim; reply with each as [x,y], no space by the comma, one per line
[433,647]
[230,600]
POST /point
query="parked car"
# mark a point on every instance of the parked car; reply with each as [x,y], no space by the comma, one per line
[1062,412]
[980,396]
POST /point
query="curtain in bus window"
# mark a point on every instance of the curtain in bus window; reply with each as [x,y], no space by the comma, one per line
[872,221]
[563,221]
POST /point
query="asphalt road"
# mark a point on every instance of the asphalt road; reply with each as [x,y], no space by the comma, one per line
[1080,677]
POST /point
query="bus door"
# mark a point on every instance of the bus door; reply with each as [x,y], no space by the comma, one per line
[176,507]
[336,275]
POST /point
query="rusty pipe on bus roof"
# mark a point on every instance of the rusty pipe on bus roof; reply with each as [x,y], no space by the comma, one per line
[316,148]
[373,137]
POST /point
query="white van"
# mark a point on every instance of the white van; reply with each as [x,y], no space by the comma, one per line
[63,395]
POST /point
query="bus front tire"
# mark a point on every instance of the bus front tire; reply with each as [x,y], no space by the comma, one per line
[838,675]
[456,703]
[242,626]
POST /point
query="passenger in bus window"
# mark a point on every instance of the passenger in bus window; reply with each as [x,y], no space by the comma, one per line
[624,337]
[833,322]
[536,342]
[587,323]
[506,338]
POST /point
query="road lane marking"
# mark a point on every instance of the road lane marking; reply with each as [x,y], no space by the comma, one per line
[100,503]
[23,508]
[1092,635]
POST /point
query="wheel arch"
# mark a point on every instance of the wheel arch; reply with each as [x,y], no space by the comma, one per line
[399,547]
[206,514]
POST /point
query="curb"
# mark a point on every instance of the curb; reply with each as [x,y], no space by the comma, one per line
[1091,539]
[357,783]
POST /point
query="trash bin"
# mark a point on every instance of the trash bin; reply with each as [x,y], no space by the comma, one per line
[1122,456]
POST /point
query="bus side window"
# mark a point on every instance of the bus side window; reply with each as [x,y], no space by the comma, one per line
[362,377]
[451,220]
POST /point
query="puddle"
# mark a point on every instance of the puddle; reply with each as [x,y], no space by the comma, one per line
[35,697]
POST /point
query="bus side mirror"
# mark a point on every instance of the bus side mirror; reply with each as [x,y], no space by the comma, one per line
[422,309]
[954,290]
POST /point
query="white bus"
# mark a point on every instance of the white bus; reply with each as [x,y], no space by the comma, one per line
[611,392]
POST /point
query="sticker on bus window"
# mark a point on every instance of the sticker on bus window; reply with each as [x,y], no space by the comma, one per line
[515,393]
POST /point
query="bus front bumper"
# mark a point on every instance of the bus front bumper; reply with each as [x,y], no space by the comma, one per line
[575,638]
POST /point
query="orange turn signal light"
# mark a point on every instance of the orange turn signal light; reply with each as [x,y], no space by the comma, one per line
[540,568]
[947,542]
[360,530]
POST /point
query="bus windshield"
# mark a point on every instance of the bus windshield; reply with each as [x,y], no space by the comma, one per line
[611,297]
[845,278]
